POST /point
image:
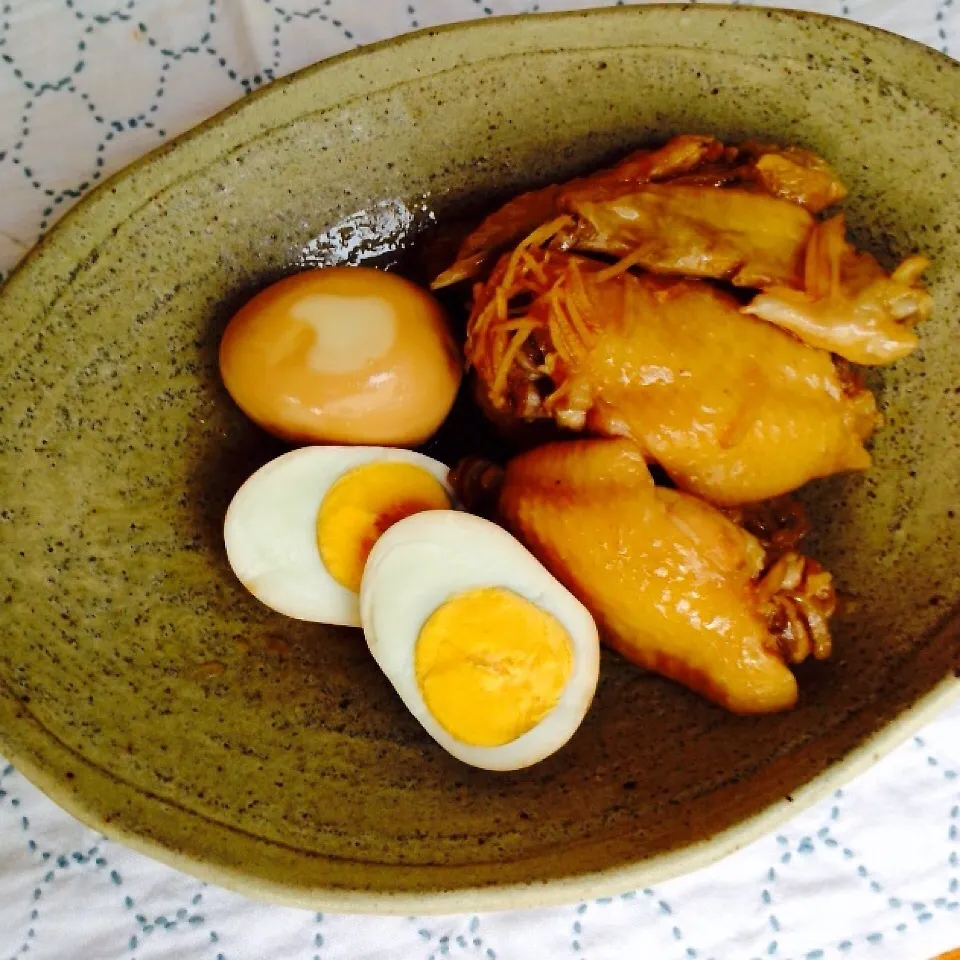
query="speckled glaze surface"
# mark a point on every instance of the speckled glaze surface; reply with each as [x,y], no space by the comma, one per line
[150,695]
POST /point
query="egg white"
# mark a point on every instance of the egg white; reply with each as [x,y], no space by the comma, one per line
[270,530]
[425,560]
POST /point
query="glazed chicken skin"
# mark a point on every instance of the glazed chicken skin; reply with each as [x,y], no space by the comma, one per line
[734,409]
[676,586]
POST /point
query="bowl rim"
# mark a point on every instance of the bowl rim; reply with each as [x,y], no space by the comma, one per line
[514,895]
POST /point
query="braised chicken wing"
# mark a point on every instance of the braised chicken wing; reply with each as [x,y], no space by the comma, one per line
[733,409]
[699,163]
[675,586]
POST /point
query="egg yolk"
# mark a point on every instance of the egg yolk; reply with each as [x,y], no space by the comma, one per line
[342,355]
[491,665]
[362,505]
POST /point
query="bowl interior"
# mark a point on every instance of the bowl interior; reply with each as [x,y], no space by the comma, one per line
[150,694]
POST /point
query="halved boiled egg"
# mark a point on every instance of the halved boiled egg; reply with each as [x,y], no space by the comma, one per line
[495,658]
[298,532]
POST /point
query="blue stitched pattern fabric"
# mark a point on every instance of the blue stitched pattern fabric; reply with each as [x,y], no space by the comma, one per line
[872,873]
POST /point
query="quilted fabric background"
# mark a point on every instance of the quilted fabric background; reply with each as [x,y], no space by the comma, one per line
[874,872]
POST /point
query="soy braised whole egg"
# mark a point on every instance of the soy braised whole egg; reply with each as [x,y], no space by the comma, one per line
[493,656]
[342,355]
[298,532]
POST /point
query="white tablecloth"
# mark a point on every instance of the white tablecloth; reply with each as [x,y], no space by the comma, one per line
[874,872]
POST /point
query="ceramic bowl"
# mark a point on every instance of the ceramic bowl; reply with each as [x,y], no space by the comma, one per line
[146,692]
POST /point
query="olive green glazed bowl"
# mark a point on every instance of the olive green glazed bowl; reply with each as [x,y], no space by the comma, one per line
[151,696]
